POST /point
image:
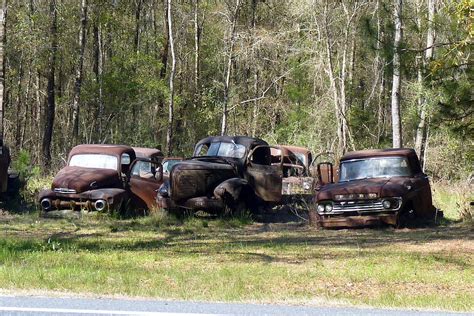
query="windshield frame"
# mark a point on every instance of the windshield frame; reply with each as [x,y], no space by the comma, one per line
[409,174]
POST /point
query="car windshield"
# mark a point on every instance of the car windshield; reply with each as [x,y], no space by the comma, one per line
[374,168]
[98,161]
[221,149]
[168,164]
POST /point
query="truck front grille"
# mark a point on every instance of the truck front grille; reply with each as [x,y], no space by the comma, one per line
[357,206]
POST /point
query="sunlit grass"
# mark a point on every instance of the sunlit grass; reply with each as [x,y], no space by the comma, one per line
[234,260]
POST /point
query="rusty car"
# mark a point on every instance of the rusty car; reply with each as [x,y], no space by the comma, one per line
[228,174]
[105,177]
[375,186]
[297,181]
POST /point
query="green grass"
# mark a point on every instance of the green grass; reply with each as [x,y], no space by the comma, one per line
[221,260]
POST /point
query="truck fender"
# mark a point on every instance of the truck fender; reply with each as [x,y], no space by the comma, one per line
[230,188]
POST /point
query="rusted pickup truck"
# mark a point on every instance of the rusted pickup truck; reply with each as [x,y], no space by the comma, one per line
[105,177]
[375,186]
[230,173]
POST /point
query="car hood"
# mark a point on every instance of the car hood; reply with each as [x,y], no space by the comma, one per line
[383,187]
[82,179]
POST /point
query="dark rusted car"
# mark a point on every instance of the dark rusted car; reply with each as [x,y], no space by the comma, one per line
[105,177]
[227,173]
[375,186]
[297,181]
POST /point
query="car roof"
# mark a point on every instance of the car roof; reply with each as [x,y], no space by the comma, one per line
[143,152]
[409,152]
[243,140]
[295,149]
[116,150]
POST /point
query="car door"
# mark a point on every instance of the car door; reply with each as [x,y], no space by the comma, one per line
[146,177]
[322,168]
[263,174]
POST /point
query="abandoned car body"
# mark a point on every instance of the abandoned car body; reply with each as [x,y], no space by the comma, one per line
[375,186]
[98,177]
[297,182]
[226,173]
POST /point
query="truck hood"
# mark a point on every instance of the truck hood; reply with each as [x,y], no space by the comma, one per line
[383,187]
[83,179]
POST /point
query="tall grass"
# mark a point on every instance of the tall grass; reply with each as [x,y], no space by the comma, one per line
[454,199]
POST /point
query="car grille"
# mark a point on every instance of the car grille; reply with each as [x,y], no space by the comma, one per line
[65,190]
[357,206]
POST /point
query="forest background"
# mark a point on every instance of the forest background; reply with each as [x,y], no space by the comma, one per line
[313,73]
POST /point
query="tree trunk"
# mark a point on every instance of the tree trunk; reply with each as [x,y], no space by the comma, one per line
[97,69]
[19,103]
[229,67]
[51,106]
[332,80]
[421,131]
[3,20]
[79,73]
[396,120]
[138,12]
[163,56]
[197,37]
[169,134]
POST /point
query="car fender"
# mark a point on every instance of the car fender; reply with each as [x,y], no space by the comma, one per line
[230,188]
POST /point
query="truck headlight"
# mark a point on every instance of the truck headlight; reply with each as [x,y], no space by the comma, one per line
[386,204]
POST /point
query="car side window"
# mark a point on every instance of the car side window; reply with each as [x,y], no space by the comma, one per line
[145,169]
[261,156]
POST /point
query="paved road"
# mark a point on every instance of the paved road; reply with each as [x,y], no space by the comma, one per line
[34,305]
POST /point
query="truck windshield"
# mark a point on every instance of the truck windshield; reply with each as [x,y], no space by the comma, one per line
[98,161]
[374,168]
[221,149]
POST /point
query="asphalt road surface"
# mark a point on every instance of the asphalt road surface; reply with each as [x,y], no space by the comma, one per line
[35,305]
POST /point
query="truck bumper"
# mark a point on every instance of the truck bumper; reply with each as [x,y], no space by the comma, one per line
[85,200]
[358,220]
[202,203]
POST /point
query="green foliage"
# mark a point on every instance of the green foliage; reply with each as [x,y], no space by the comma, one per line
[24,166]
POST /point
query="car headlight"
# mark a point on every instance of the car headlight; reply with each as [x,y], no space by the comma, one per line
[320,208]
[328,208]
[386,204]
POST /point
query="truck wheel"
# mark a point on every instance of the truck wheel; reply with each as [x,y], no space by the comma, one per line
[407,217]
[237,209]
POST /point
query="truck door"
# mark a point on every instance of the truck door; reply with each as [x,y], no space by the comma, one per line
[146,177]
[323,169]
[264,173]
